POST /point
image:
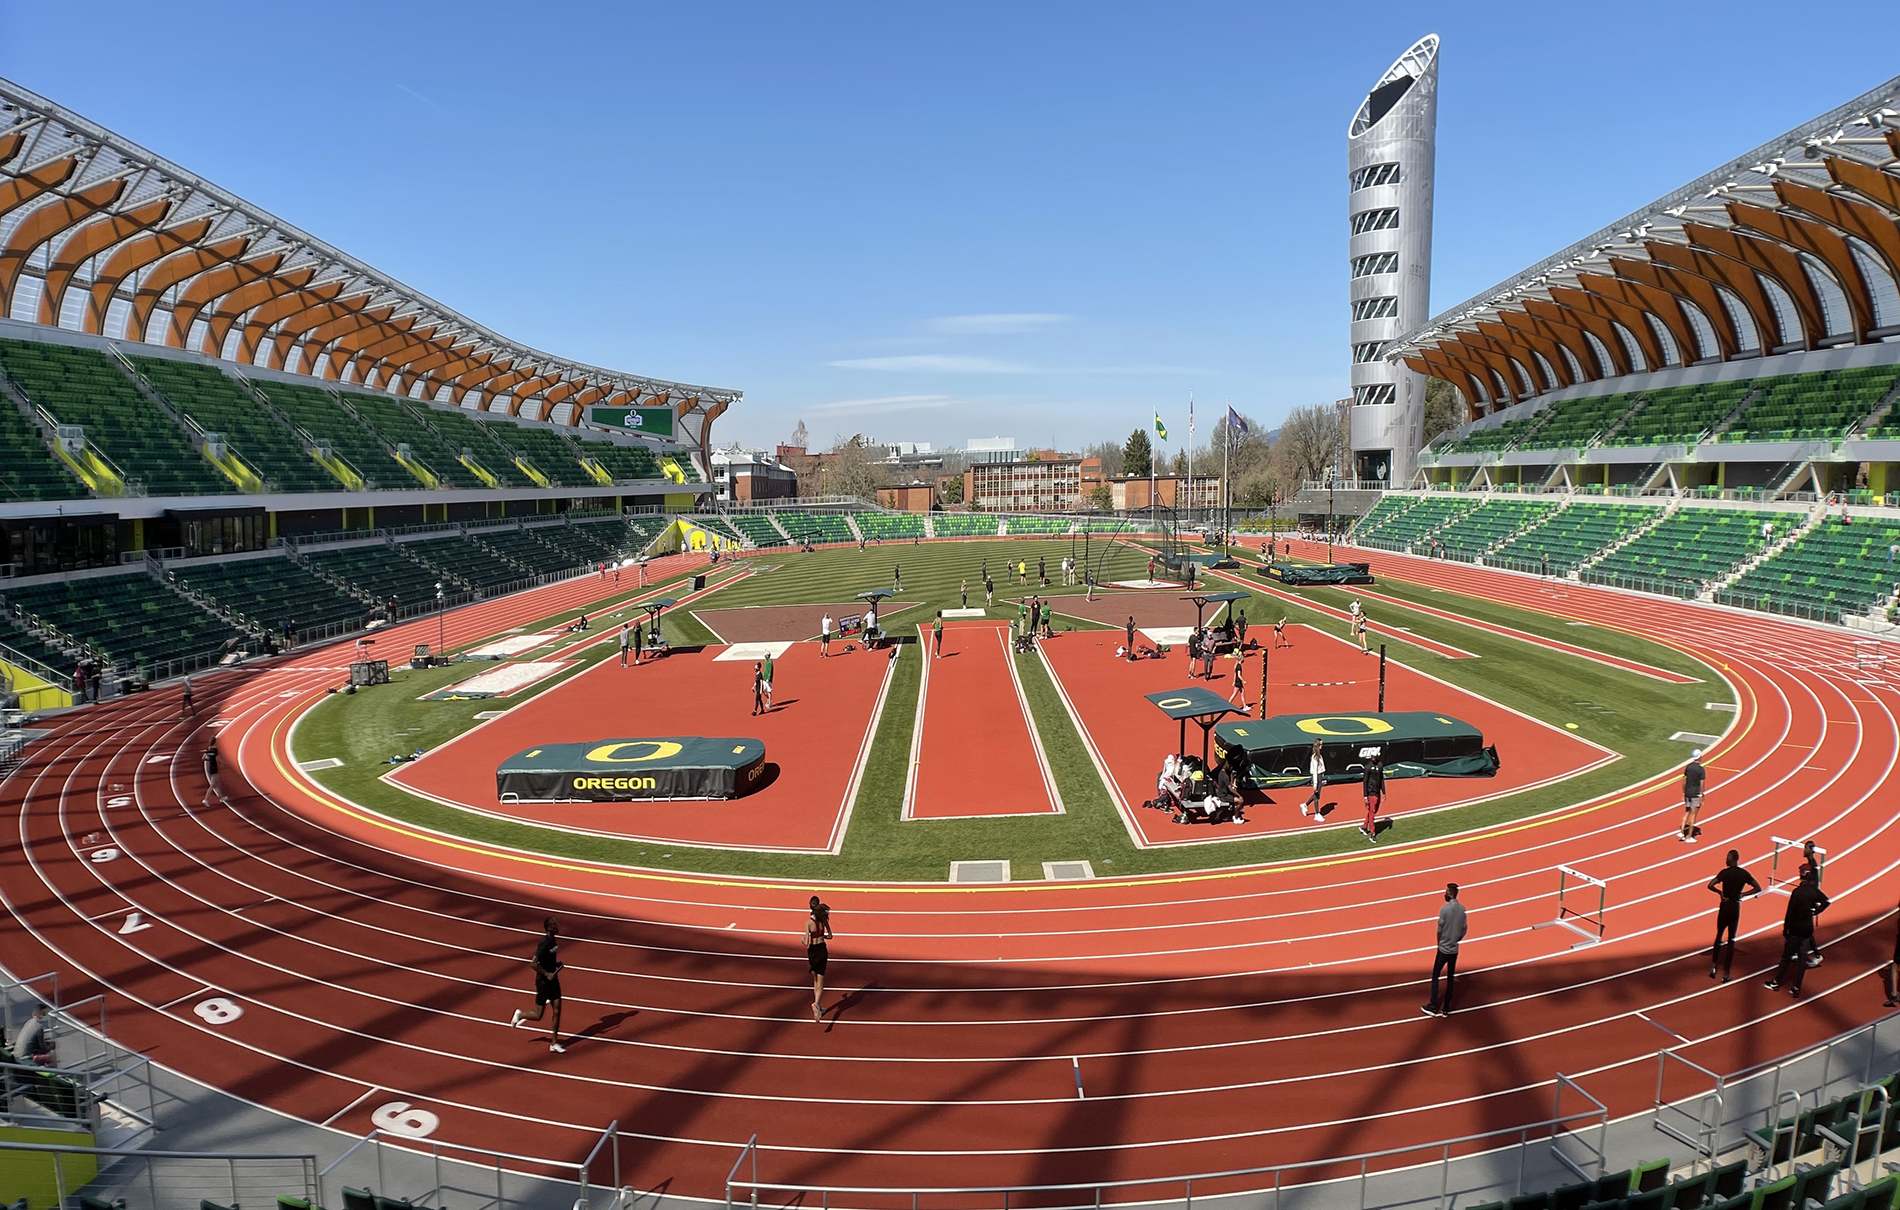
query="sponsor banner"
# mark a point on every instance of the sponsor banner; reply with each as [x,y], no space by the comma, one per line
[630,770]
[654,422]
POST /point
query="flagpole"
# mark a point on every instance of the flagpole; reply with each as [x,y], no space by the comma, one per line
[1226,464]
[1190,477]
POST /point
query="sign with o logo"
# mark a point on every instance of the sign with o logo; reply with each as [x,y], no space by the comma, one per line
[657,749]
[1344,726]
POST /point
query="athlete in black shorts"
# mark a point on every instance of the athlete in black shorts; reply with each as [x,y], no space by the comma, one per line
[817,932]
[547,984]
[1729,884]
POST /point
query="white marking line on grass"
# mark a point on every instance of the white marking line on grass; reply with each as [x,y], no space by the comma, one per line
[1095,754]
[916,742]
[843,823]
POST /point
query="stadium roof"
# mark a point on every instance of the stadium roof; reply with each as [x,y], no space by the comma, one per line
[1795,245]
[100,235]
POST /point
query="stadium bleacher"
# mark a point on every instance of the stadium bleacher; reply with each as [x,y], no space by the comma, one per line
[85,387]
[1831,569]
[321,419]
[1815,406]
[1484,527]
[132,618]
[268,591]
[1578,422]
[1021,524]
[15,635]
[757,528]
[818,527]
[543,449]
[378,570]
[397,425]
[219,405]
[1504,436]
[626,463]
[964,525]
[885,527]
[1401,531]
[464,436]
[713,523]
[1694,547]
[1681,415]
[1388,508]
[464,563]
[526,551]
[28,470]
[1573,535]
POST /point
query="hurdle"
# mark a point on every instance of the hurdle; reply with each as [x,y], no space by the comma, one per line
[1870,655]
[1775,882]
[1567,916]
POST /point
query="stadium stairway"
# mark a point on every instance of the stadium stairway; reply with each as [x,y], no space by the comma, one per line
[1815,516]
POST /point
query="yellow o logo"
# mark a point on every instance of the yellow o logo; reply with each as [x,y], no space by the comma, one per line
[1169,703]
[1359,725]
[610,753]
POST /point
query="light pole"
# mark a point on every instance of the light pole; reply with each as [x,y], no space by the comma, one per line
[441,622]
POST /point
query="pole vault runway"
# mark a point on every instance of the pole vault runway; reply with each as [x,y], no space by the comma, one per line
[328,962]
[974,747]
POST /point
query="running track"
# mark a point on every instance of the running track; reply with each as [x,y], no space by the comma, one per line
[1243,1017]
[974,748]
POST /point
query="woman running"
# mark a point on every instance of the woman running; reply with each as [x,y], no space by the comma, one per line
[1239,695]
[817,932]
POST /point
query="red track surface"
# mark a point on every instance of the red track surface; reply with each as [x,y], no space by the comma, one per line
[820,709]
[1215,1020]
[1130,737]
[974,750]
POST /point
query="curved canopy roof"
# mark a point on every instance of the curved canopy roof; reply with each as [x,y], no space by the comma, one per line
[100,235]
[1795,245]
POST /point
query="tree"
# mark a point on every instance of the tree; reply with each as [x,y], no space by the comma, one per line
[1308,442]
[851,470]
[801,436]
[1109,452]
[1137,455]
[1101,498]
[1444,409]
[1180,462]
[953,490]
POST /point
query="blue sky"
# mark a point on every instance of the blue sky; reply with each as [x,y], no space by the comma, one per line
[928,223]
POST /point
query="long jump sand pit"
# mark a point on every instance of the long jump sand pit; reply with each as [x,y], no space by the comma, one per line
[815,737]
[1128,737]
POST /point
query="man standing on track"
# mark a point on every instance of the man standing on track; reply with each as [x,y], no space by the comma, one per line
[1239,695]
[1375,796]
[936,636]
[1359,631]
[758,691]
[824,637]
[638,630]
[626,642]
[1316,766]
[1729,884]
[1131,636]
[1693,775]
[1451,931]
[1805,902]
[214,785]
[765,681]
[547,984]
[191,711]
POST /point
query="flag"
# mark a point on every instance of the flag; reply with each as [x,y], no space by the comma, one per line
[1160,428]
[1190,423]
[1236,421]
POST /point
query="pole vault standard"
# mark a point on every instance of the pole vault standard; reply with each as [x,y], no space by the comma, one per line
[1569,917]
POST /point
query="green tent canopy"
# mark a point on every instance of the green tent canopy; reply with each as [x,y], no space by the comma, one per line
[1412,743]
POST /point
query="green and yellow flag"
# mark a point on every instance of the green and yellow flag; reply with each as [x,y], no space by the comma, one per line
[1160,428]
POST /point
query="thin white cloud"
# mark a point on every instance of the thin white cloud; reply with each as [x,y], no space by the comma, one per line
[938,363]
[997,324]
[886,403]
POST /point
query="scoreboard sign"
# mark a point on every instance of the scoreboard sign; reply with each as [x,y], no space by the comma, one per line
[629,770]
[654,422]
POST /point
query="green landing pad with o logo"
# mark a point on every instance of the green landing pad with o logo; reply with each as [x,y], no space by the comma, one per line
[630,770]
[1410,743]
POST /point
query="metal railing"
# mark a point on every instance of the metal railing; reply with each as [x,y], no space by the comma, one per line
[599,1169]
[1262,1181]
[163,1180]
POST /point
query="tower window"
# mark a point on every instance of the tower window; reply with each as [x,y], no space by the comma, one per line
[1375,308]
[1375,174]
[1369,351]
[1375,220]
[1378,262]
[1378,392]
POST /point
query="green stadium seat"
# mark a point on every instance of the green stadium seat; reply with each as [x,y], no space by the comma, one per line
[217,404]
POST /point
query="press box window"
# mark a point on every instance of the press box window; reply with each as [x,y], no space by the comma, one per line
[1375,308]
[1378,262]
[1375,174]
[1375,220]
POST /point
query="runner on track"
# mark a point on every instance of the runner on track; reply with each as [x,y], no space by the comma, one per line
[1239,694]
[1693,775]
[214,785]
[758,691]
[824,637]
[1131,636]
[1729,884]
[936,636]
[1810,860]
[190,709]
[817,957]
[1451,931]
[547,984]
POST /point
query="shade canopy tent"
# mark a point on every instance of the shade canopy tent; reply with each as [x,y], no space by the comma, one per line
[1203,599]
[1203,708]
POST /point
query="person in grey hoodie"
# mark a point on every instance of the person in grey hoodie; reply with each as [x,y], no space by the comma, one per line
[1451,930]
